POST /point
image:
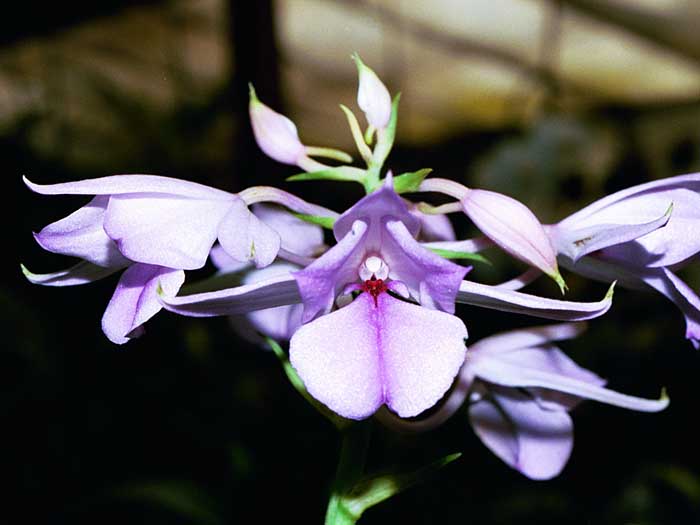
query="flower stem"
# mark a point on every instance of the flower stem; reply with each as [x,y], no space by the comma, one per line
[351,465]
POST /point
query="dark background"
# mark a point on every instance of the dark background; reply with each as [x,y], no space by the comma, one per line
[190,424]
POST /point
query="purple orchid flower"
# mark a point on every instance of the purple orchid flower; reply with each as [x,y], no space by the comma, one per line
[520,389]
[381,348]
[638,236]
[155,227]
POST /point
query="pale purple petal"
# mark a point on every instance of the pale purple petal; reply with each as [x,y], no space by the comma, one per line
[224,262]
[394,352]
[644,279]
[135,300]
[276,291]
[434,227]
[298,237]
[372,209]
[432,279]
[513,227]
[587,239]
[510,301]
[247,238]
[421,352]
[548,358]
[670,285]
[522,280]
[256,194]
[605,271]
[81,235]
[534,441]
[525,338]
[82,273]
[503,372]
[278,323]
[120,184]
[674,243]
[337,357]
[164,230]
[321,281]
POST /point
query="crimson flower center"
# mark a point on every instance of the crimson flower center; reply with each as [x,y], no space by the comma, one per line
[374,287]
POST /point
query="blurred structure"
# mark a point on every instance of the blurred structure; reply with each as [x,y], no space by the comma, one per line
[125,78]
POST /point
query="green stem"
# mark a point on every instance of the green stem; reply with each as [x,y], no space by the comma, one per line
[351,465]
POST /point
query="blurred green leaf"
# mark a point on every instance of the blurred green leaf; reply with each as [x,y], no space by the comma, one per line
[180,497]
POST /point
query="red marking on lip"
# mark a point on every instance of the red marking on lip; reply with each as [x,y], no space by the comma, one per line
[374,287]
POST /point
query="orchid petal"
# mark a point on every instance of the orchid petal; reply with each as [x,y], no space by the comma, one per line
[278,323]
[502,372]
[163,230]
[644,279]
[521,281]
[665,281]
[224,262]
[548,358]
[120,184]
[80,234]
[522,303]
[584,240]
[513,227]
[135,300]
[256,194]
[276,291]
[434,228]
[431,278]
[247,238]
[670,245]
[595,267]
[82,273]
[298,237]
[372,209]
[366,354]
[321,281]
[534,441]
[525,338]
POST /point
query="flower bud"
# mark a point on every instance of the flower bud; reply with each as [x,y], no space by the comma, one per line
[275,134]
[512,226]
[372,96]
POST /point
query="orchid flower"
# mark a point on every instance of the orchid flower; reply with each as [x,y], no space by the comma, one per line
[519,389]
[155,227]
[637,236]
[397,343]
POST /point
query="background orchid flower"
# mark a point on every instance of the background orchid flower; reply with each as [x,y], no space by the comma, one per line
[634,236]
[156,227]
[135,299]
[520,389]
[507,222]
[161,221]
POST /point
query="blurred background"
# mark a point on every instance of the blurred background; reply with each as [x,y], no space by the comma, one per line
[555,102]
